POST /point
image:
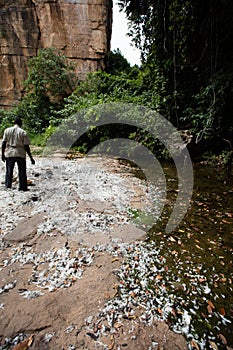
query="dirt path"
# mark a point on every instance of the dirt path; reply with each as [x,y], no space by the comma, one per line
[62,244]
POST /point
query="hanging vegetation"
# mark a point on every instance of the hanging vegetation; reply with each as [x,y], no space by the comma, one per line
[187,47]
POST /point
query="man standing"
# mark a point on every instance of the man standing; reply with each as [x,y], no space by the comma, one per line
[15,145]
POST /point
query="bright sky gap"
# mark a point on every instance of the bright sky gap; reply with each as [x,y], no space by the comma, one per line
[120,40]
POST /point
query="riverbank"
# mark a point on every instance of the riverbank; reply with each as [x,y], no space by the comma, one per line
[62,247]
[78,273]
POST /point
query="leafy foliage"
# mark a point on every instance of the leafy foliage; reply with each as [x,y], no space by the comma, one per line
[102,87]
[6,119]
[50,79]
[187,48]
[117,63]
[50,75]
[186,74]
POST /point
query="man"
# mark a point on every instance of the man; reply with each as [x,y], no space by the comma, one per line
[15,145]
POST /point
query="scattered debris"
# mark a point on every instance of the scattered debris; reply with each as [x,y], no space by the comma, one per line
[157,279]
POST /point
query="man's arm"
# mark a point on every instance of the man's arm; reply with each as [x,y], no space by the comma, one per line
[27,148]
[3,150]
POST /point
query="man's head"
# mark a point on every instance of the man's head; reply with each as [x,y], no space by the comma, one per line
[18,121]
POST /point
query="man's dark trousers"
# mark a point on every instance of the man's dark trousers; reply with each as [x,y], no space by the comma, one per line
[10,163]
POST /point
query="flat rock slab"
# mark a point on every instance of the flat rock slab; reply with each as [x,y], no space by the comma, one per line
[25,229]
[125,234]
[54,313]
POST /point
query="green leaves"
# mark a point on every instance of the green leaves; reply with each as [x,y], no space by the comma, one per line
[50,74]
[50,79]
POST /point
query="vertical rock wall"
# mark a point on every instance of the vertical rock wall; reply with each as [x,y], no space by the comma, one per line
[80,28]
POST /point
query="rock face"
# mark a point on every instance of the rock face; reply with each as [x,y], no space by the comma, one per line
[81,29]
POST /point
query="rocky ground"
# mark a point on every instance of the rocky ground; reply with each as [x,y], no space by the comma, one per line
[62,248]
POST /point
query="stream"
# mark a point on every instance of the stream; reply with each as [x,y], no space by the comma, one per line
[196,278]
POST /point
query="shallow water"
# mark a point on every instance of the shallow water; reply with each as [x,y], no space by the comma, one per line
[185,277]
[199,256]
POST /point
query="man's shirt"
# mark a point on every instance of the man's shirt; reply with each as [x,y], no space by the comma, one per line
[15,138]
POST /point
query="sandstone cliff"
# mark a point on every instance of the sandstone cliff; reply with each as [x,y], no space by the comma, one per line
[80,28]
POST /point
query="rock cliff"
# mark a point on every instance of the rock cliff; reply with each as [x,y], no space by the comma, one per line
[80,28]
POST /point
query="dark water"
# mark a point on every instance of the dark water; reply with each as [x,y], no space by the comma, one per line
[203,244]
[199,256]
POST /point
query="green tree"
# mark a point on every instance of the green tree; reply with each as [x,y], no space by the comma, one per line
[49,74]
[50,79]
[117,63]
[188,49]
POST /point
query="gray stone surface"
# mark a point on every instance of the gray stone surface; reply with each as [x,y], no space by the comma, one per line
[25,229]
